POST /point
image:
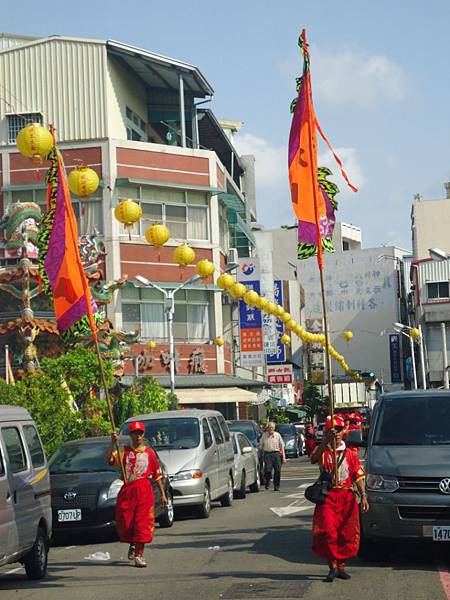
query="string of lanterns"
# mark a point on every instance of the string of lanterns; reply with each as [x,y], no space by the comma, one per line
[35,142]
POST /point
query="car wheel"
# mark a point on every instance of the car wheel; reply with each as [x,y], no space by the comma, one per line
[227,499]
[204,510]
[35,561]
[255,487]
[241,492]
[168,517]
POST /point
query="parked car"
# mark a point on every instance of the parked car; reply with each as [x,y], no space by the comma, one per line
[319,432]
[196,447]
[407,466]
[290,438]
[85,488]
[246,465]
[300,428]
[25,511]
[253,431]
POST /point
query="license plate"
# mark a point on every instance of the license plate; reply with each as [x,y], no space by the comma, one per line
[73,514]
[441,534]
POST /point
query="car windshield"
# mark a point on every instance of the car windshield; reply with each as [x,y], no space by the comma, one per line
[416,421]
[286,429]
[246,428]
[178,433]
[80,458]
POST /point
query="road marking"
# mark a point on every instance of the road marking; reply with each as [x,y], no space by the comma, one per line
[444,576]
[284,511]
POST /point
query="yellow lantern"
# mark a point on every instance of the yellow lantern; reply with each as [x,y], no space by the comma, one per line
[291,325]
[219,341]
[128,212]
[151,345]
[414,333]
[225,281]
[157,235]
[83,181]
[285,317]
[183,255]
[35,142]
[285,339]
[251,297]
[205,268]
[279,311]
[262,303]
[237,290]
[347,335]
[271,308]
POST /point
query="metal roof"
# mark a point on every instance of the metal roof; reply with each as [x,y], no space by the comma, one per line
[208,381]
[160,72]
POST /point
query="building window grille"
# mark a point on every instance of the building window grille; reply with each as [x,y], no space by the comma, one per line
[18,122]
[438,290]
[135,126]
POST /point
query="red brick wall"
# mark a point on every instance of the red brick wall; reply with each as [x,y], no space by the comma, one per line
[162,166]
[227,357]
[220,177]
[24,172]
[155,366]
[157,263]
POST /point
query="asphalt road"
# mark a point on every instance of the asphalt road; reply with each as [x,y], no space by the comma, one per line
[259,548]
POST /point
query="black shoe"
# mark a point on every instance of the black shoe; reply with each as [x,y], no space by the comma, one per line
[344,575]
[267,486]
[332,574]
[276,489]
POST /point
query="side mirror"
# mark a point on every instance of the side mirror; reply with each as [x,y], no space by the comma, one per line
[355,439]
[247,449]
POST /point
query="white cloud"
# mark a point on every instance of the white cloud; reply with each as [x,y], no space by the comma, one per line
[356,79]
[271,161]
[272,187]
[351,165]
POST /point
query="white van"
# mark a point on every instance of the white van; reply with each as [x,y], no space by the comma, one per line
[25,502]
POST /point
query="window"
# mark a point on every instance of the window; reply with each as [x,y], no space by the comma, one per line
[243,442]
[224,426]
[18,122]
[185,213]
[144,310]
[14,449]
[34,446]
[135,126]
[438,290]
[206,433]
[216,430]
[2,466]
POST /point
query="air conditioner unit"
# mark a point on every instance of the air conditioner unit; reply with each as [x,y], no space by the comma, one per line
[232,256]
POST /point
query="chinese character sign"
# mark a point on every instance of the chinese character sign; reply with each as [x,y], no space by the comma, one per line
[279,374]
[394,351]
[250,320]
[280,353]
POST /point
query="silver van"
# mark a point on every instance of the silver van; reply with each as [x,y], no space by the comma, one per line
[196,447]
[408,469]
[25,505]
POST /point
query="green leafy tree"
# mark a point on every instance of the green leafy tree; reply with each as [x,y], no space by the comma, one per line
[146,396]
[313,401]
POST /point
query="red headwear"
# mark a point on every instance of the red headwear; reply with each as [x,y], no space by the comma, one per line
[136,426]
[338,421]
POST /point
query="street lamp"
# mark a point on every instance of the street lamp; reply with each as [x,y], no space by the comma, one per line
[169,300]
[412,335]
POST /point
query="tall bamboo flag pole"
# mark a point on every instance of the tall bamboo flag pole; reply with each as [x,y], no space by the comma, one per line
[313,207]
[61,261]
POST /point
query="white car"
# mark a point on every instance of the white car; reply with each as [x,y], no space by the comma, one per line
[246,471]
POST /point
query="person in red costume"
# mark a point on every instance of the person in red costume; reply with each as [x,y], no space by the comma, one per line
[135,506]
[336,531]
[310,438]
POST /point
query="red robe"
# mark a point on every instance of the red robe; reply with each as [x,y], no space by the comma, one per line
[135,506]
[336,522]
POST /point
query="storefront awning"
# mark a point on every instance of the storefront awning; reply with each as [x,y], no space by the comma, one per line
[229,395]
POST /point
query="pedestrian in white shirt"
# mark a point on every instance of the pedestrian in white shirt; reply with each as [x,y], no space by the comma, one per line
[272,445]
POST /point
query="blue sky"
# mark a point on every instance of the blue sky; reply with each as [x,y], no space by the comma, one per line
[380,82]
